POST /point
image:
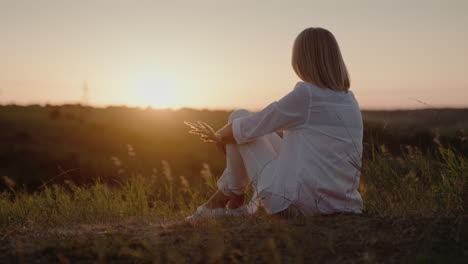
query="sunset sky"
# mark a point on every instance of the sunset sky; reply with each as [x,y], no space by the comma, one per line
[227,54]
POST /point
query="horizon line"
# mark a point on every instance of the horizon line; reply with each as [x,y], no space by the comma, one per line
[226,109]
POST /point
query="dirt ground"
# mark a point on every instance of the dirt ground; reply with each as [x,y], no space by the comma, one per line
[256,239]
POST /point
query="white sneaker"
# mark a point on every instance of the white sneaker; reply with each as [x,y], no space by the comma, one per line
[241,211]
[203,212]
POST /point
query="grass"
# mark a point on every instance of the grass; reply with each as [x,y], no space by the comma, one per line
[259,239]
[72,192]
[415,211]
[48,144]
[416,184]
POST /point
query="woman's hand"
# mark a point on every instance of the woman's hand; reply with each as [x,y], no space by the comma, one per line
[280,133]
[226,134]
[207,134]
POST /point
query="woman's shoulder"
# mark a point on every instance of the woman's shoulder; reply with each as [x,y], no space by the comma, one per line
[309,87]
[310,90]
[302,87]
[301,84]
[316,90]
[319,94]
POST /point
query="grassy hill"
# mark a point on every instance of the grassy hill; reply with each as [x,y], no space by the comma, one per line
[112,185]
[53,143]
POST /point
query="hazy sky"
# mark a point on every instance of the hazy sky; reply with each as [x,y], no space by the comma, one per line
[227,54]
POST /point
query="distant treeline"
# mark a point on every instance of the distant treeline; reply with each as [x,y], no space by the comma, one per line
[49,144]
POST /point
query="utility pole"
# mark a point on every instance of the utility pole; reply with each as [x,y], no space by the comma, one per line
[85,96]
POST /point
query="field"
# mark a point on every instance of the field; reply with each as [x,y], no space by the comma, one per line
[112,185]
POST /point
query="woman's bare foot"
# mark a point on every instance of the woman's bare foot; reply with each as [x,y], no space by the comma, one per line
[217,200]
[236,201]
[220,200]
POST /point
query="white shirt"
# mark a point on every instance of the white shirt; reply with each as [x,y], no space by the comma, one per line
[317,168]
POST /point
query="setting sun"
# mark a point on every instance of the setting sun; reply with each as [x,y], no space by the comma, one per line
[157,91]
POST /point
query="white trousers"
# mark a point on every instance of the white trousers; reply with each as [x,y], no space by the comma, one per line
[245,162]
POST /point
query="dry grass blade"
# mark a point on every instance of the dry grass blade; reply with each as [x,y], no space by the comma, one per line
[202,129]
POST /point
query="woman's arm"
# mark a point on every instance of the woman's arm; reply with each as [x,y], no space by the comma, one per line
[225,135]
[286,113]
[289,112]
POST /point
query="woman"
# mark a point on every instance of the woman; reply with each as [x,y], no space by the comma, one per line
[315,166]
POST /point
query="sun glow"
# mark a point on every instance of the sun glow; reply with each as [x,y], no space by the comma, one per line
[157,91]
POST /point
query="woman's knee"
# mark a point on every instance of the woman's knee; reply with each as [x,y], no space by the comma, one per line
[238,113]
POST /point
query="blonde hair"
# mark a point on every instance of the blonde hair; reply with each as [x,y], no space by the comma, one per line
[316,58]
